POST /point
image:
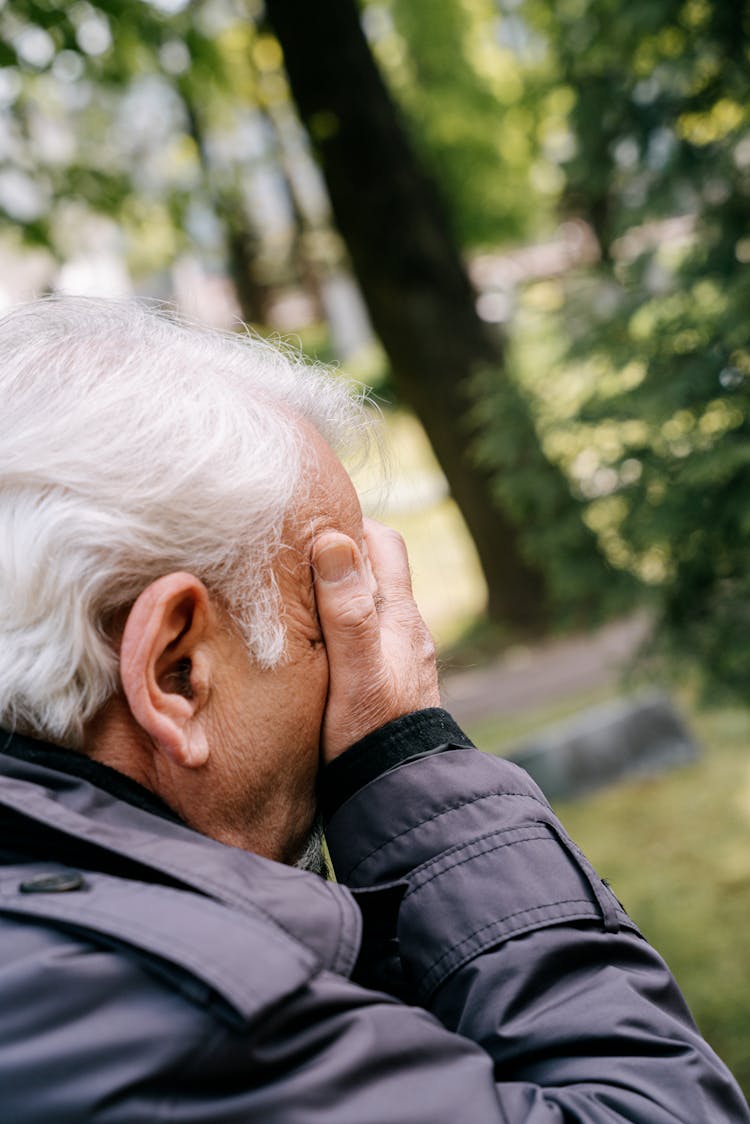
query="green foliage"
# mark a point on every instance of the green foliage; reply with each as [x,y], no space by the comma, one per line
[645,79]
[487,113]
[95,113]
[684,480]
[646,402]
[474,110]
[662,326]
[582,587]
[66,69]
[675,851]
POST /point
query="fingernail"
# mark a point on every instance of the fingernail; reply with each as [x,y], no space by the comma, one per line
[335,562]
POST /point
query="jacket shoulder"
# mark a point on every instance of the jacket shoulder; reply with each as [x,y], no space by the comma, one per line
[237,963]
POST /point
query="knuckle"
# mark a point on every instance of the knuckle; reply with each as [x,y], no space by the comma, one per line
[395,537]
[387,536]
[358,615]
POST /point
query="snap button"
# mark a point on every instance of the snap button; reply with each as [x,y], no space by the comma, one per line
[59,882]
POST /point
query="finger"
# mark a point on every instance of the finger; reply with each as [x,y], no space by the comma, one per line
[390,562]
[402,628]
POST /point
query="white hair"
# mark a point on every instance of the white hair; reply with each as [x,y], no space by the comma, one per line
[133,445]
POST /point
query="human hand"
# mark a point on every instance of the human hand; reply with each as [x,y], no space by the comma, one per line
[381,657]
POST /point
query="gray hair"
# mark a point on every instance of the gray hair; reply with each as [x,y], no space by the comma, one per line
[133,445]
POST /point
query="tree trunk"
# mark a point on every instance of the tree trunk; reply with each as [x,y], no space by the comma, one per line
[241,243]
[410,271]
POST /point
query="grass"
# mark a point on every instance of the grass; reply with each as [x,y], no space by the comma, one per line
[676,849]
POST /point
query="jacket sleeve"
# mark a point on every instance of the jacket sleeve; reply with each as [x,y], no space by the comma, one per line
[506,934]
[95,1036]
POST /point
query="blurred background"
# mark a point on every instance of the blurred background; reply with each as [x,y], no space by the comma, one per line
[524,225]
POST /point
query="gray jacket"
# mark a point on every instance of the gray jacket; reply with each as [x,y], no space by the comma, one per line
[475,969]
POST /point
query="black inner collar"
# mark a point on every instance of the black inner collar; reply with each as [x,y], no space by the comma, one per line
[78,765]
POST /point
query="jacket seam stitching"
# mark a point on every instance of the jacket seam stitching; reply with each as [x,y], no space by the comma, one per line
[498,922]
[468,858]
[436,815]
[521,837]
[341,961]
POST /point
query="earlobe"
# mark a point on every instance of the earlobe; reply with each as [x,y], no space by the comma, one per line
[165,666]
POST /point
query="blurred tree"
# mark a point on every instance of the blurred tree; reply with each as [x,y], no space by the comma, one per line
[628,67]
[155,103]
[472,92]
[488,115]
[152,116]
[420,300]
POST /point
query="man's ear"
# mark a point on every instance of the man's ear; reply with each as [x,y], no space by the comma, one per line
[165,665]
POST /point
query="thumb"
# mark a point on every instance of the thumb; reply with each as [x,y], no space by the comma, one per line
[345,603]
[351,631]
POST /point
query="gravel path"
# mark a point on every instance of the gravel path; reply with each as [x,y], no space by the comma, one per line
[526,678]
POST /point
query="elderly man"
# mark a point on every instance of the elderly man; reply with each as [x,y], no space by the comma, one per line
[204,650]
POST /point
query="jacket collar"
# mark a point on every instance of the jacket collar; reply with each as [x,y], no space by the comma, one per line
[79,765]
[322,916]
